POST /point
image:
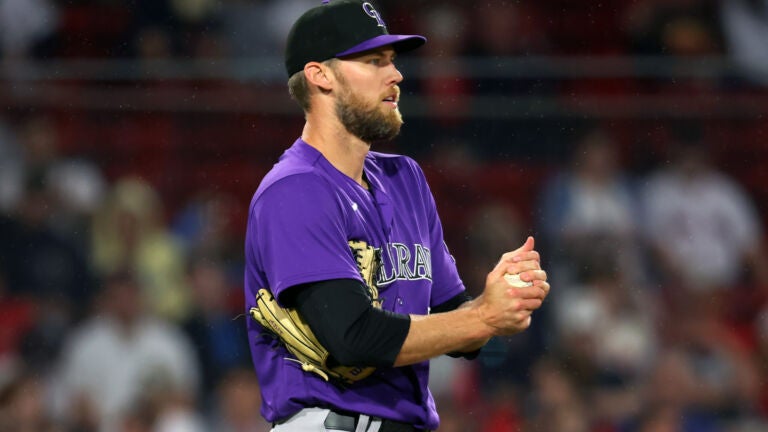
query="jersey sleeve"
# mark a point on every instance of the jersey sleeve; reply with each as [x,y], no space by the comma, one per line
[297,230]
[446,282]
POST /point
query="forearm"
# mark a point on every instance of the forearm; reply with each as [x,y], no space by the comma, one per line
[355,333]
[500,310]
[460,301]
[476,345]
[433,335]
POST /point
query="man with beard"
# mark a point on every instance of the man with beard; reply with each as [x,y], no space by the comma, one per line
[328,189]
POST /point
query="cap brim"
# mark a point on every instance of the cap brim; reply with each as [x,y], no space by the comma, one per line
[401,43]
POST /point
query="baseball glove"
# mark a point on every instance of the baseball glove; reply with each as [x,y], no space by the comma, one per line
[288,325]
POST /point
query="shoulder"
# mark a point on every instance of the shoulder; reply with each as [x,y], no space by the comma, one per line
[661,181]
[286,170]
[392,160]
[161,331]
[395,165]
[295,180]
[722,183]
[90,337]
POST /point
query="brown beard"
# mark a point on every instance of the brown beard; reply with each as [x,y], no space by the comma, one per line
[369,123]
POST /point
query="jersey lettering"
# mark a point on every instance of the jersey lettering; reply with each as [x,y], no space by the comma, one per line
[399,262]
[423,263]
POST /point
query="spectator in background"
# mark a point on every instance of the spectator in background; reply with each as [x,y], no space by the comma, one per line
[605,331]
[140,418]
[198,25]
[165,29]
[722,366]
[207,226]
[151,31]
[74,185]
[129,232]
[445,88]
[556,402]
[590,202]
[520,20]
[24,24]
[152,44]
[219,340]
[745,29]
[238,398]
[118,357]
[674,27]
[508,30]
[454,418]
[23,405]
[669,399]
[701,225]
[242,27]
[282,14]
[11,160]
[174,407]
[678,29]
[194,13]
[45,269]
[505,126]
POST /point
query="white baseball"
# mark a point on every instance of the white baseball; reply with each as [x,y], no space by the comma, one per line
[515,281]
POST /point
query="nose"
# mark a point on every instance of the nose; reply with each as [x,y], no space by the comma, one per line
[396,76]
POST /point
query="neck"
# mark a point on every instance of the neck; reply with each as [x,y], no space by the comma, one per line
[343,150]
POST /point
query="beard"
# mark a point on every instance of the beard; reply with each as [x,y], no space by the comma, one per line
[369,123]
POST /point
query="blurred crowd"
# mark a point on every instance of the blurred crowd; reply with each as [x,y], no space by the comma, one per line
[121,304]
[657,320]
[115,318]
[247,28]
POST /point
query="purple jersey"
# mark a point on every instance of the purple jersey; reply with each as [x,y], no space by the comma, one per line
[300,220]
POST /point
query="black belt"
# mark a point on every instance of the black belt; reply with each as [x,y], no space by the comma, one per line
[348,422]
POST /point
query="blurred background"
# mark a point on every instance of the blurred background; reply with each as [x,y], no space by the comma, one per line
[629,137]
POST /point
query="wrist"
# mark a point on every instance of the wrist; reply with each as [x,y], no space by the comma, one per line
[485,331]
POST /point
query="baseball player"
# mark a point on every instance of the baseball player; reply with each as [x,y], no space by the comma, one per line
[329,191]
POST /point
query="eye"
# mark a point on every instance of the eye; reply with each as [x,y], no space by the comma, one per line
[374,61]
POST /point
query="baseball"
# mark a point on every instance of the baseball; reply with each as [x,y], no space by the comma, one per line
[515,281]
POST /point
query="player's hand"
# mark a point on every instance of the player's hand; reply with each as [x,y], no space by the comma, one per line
[507,309]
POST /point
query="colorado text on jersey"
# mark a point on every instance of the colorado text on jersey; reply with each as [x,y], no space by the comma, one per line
[401,262]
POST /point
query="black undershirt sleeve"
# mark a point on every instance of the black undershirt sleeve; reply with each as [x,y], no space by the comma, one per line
[340,313]
[452,304]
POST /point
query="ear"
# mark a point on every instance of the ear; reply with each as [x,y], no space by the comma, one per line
[319,75]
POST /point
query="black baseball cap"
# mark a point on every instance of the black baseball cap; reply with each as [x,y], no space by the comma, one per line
[338,29]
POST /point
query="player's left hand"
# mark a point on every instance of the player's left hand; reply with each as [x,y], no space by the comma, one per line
[525,262]
[507,308]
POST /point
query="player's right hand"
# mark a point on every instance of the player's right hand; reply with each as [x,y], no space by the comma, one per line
[506,309]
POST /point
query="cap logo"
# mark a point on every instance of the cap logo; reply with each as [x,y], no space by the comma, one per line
[371,12]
